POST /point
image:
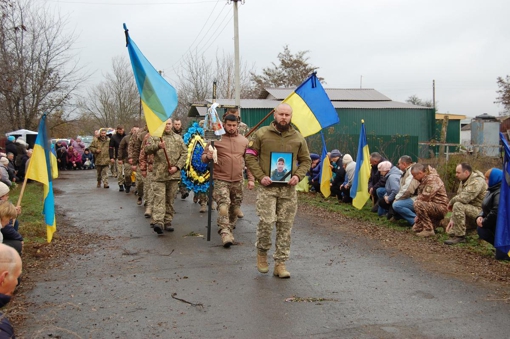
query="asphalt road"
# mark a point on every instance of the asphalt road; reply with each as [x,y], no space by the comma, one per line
[343,286]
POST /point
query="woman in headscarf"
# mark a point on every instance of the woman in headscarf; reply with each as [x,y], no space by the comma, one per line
[486,221]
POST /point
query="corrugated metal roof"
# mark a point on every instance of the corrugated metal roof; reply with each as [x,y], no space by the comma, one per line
[375,104]
[270,104]
[334,94]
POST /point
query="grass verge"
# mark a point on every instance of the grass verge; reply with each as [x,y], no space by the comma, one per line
[473,243]
[31,220]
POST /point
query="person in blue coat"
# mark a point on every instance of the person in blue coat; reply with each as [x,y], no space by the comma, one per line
[387,193]
[486,221]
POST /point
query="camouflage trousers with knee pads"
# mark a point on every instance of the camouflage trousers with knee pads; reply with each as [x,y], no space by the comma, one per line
[228,197]
[276,205]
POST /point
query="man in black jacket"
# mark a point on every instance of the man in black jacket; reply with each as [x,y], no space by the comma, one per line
[376,180]
[114,153]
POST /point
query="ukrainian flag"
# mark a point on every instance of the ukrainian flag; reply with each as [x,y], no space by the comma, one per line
[359,189]
[326,172]
[40,168]
[159,98]
[502,236]
[312,109]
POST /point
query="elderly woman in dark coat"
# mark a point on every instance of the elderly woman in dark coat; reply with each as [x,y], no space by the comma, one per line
[486,221]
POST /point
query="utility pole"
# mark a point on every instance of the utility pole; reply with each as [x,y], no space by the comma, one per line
[236,56]
[434,94]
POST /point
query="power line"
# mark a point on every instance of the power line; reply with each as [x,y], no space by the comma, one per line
[189,48]
[133,4]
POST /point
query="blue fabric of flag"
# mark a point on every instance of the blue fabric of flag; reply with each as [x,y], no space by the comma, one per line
[502,237]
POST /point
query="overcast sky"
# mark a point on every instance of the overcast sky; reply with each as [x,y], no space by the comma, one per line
[396,47]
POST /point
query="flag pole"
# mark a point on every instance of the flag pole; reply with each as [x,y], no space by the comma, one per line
[260,122]
[21,195]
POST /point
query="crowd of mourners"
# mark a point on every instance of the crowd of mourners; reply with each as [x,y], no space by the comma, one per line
[414,192]
[73,155]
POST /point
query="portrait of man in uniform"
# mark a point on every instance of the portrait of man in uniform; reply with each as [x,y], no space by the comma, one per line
[281,167]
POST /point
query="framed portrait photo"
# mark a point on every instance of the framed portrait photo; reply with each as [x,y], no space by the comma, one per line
[281,167]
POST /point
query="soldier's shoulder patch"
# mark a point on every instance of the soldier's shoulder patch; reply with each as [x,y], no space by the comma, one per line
[428,189]
[250,143]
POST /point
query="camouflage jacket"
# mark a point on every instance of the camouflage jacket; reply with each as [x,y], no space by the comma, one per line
[100,148]
[176,151]
[145,161]
[135,145]
[243,128]
[268,139]
[432,189]
[472,191]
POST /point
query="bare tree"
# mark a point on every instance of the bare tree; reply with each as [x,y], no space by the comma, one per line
[415,100]
[504,94]
[291,71]
[115,100]
[225,76]
[38,71]
[195,83]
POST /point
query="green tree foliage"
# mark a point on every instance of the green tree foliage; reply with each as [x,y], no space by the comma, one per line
[291,70]
[504,94]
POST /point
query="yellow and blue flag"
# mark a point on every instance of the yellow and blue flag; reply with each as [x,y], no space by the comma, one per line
[312,109]
[159,98]
[42,168]
[359,189]
[502,236]
[326,172]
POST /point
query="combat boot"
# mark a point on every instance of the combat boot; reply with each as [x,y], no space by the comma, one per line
[262,264]
[139,201]
[227,239]
[203,208]
[148,212]
[127,188]
[99,184]
[455,240]
[426,233]
[239,213]
[280,271]
[105,185]
[121,188]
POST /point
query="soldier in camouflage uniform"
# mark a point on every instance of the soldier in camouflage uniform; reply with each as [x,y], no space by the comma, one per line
[177,128]
[467,204]
[166,175]
[145,163]
[228,177]
[123,159]
[100,147]
[431,204]
[134,155]
[276,203]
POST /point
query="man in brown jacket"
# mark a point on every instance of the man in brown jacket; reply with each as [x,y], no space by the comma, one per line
[228,177]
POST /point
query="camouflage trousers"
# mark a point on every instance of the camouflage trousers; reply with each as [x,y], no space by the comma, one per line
[182,188]
[201,198]
[102,173]
[123,174]
[276,205]
[429,215]
[148,191]
[462,214]
[140,180]
[113,169]
[163,204]
[228,197]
